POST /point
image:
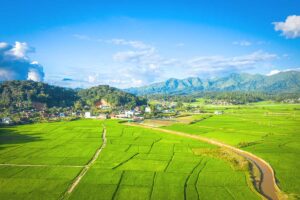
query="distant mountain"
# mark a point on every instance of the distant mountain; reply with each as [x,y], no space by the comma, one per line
[282,82]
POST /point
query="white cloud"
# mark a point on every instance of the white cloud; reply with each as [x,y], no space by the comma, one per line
[276,71]
[34,75]
[216,65]
[273,72]
[93,78]
[290,28]
[16,65]
[148,65]
[144,64]
[139,63]
[242,43]
[132,43]
[20,50]
[134,56]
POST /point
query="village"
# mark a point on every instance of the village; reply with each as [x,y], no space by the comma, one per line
[100,110]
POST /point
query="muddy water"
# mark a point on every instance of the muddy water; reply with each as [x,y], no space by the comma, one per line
[268,187]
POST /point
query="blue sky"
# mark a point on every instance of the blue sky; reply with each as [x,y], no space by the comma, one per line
[134,43]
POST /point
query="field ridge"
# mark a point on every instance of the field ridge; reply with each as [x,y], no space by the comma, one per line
[87,166]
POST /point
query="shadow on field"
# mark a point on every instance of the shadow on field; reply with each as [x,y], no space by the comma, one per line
[9,136]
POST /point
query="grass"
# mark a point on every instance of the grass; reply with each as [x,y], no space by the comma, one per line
[188,119]
[137,163]
[54,145]
[270,131]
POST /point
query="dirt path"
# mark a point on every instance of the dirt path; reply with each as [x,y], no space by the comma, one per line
[268,187]
[86,167]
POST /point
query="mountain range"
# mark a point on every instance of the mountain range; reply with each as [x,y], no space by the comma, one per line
[283,82]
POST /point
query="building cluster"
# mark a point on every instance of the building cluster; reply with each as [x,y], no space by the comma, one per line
[100,110]
[135,114]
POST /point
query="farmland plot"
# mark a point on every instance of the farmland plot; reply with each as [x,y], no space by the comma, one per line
[269,131]
[40,161]
[139,163]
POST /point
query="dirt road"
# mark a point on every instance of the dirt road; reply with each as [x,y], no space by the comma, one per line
[268,187]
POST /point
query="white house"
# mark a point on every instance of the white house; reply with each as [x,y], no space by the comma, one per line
[147,109]
[129,113]
[6,120]
[88,115]
[217,112]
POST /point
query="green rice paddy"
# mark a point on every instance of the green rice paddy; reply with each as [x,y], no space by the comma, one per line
[270,131]
[136,163]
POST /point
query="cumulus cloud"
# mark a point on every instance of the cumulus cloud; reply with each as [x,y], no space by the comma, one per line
[290,28]
[16,65]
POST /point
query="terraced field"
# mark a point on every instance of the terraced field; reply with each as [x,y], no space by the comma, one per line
[42,161]
[269,131]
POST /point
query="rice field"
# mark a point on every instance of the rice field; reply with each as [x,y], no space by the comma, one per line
[139,163]
[270,131]
[41,161]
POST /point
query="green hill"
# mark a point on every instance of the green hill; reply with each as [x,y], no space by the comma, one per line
[23,94]
[113,96]
[282,82]
[26,94]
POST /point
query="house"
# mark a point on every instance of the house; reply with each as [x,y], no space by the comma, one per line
[103,116]
[217,112]
[87,115]
[6,120]
[62,115]
[129,113]
[102,104]
[137,119]
[136,113]
[147,109]
[137,108]
[120,116]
